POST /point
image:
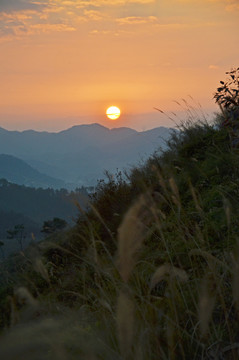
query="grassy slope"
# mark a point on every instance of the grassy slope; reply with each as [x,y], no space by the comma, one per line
[150,271]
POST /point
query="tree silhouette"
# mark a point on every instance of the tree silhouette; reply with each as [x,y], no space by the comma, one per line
[227,96]
[51,226]
[18,234]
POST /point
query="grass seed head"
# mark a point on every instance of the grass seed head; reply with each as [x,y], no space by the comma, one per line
[131,234]
[165,271]
[125,324]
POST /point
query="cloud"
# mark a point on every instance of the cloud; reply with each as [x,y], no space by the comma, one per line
[18,24]
[46,28]
[99,3]
[135,20]
[93,15]
[24,17]
[233,5]
[213,67]
[229,5]
[18,5]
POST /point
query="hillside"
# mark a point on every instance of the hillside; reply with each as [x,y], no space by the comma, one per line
[150,271]
[19,172]
[31,207]
[80,154]
[32,231]
[40,204]
[184,206]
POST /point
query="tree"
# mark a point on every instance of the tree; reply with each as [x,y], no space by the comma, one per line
[18,234]
[227,96]
[51,226]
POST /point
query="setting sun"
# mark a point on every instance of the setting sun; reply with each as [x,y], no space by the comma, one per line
[113,112]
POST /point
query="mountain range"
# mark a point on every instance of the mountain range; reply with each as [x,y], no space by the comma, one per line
[19,172]
[76,156]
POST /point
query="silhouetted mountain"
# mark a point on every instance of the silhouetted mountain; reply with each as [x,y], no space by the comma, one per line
[40,204]
[82,153]
[19,172]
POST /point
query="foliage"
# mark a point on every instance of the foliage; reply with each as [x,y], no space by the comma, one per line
[149,271]
[40,204]
[227,94]
[51,226]
[17,233]
[227,97]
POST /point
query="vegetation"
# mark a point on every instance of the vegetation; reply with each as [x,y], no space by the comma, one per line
[40,204]
[150,270]
[51,226]
[17,233]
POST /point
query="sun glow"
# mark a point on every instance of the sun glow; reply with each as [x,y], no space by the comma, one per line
[113,112]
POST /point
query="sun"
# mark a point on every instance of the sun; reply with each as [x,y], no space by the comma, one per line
[113,112]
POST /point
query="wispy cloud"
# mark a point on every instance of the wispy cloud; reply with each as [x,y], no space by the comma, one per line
[232,5]
[213,67]
[20,18]
[18,5]
[229,5]
[94,15]
[132,20]
[25,17]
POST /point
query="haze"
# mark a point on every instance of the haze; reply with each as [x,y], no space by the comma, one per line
[63,63]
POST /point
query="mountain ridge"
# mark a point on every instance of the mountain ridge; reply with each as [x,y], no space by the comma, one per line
[19,172]
[82,153]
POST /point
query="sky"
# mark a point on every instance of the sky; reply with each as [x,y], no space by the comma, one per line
[62,63]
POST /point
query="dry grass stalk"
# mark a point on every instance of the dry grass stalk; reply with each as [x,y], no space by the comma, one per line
[125,324]
[211,260]
[161,180]
[207,300]
[195,199]
[40,268]
[23,306]
[14,316]
[199,234]
[96,212]
[131,234]
[175,196]
[165,271]
[227,210]
[170,331]
[235,280]
[24,297]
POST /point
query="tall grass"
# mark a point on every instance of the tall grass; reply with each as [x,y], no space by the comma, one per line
[156,279]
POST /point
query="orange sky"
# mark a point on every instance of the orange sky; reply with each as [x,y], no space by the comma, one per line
[63,62]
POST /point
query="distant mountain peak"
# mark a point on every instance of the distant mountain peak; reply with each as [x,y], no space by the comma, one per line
[83,127]
[124,129]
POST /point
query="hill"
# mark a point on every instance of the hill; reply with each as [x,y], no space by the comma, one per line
[150,271]
[31,231]
[172,228]
[31,207]
[81,154]
[19,172]
[40,204]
